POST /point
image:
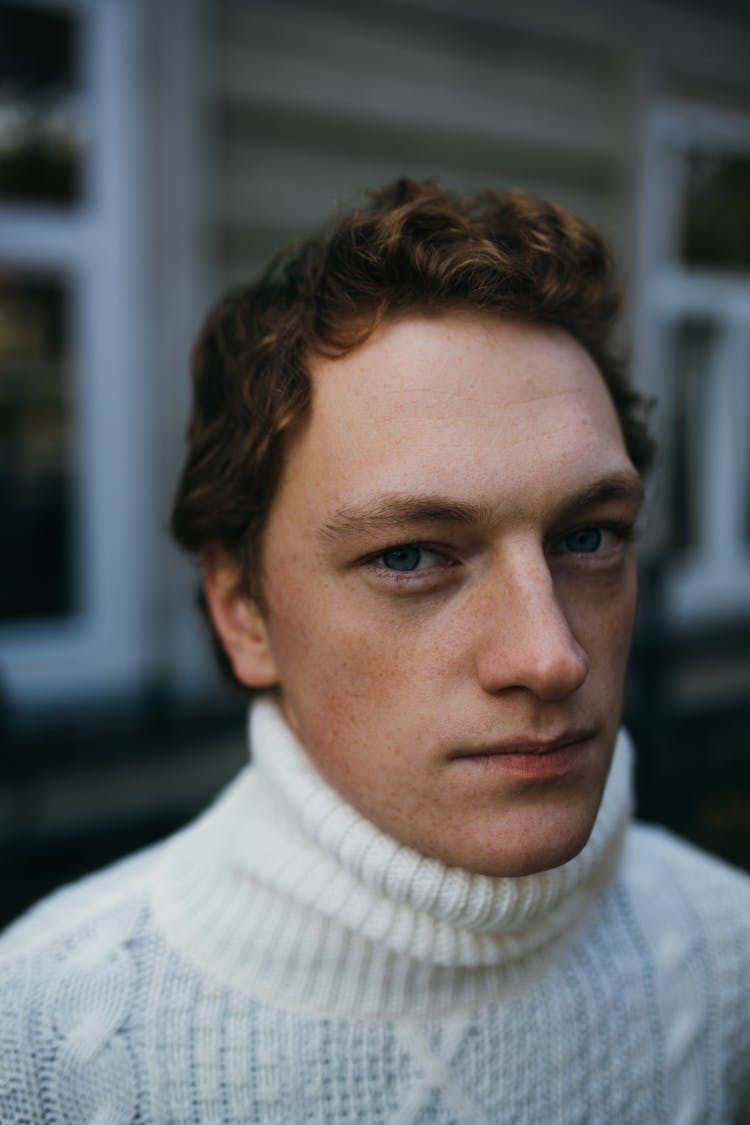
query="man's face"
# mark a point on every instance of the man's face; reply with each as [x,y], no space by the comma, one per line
[450,587]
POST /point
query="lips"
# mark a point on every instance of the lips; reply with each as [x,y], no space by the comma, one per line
[526,746]
[527,762]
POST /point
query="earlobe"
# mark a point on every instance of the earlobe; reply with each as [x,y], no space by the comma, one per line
[239,623]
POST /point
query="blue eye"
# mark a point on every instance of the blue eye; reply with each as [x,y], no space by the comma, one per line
[402,558]
[585,541]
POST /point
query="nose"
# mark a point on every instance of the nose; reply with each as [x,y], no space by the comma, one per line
[526,639]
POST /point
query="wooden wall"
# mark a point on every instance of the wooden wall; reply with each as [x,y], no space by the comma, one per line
[312,100]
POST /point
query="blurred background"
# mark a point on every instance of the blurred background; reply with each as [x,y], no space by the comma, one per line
[154,151]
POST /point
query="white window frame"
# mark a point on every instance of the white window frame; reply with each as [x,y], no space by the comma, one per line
[714,578]
[99,247]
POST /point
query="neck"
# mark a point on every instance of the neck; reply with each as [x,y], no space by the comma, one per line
[287,892]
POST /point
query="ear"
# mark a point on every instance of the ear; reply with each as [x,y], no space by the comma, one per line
[238,623]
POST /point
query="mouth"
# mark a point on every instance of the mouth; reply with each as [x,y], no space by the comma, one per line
[531,758]
[527,746]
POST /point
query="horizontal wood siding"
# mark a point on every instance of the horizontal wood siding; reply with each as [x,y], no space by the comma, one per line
[314,102]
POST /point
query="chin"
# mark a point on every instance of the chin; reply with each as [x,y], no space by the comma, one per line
[529,856]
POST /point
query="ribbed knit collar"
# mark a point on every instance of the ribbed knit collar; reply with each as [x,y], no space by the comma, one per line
[284,891]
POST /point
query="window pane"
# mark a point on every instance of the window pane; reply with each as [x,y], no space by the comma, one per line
[36,516]
[716,218]
[41,122]
[693,346]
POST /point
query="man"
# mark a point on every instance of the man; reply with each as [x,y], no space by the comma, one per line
[413,481]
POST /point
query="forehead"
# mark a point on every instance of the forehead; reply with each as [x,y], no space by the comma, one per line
[455,403]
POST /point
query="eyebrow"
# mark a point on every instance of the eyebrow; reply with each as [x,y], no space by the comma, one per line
[391,510]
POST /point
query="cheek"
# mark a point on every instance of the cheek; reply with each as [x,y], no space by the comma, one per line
[331,653]
[601,619]
[624,606]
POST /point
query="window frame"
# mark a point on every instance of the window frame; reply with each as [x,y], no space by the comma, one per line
[97,246]
[712,579]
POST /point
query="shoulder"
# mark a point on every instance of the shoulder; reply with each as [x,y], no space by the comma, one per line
[656,862]
[684,897]
[655,843]
[692,912]
[84,925]
[79,908]
[68,982]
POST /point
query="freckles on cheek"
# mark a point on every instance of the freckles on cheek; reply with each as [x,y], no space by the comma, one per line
[321,647]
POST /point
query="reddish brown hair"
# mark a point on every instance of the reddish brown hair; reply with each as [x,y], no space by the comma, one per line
[414,247]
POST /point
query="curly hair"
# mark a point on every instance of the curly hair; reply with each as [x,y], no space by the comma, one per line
[414,247]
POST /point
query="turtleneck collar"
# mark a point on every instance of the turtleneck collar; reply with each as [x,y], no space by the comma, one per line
[285,891]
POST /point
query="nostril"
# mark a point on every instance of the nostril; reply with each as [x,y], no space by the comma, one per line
[558,673]
[536,651]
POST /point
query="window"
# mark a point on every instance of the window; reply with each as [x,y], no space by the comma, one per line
[74,437]
[695,349]
[36,472]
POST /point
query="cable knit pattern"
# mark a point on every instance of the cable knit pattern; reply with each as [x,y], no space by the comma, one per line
[93,1070]
[80,996]
[282,961]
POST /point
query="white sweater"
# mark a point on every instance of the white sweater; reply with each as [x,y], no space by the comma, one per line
[281,961]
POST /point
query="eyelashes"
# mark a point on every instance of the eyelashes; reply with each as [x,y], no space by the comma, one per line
[416,564]
[406,558]
[425,564]
[592,539]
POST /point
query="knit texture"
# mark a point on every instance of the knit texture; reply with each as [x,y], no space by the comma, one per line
[281,960]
